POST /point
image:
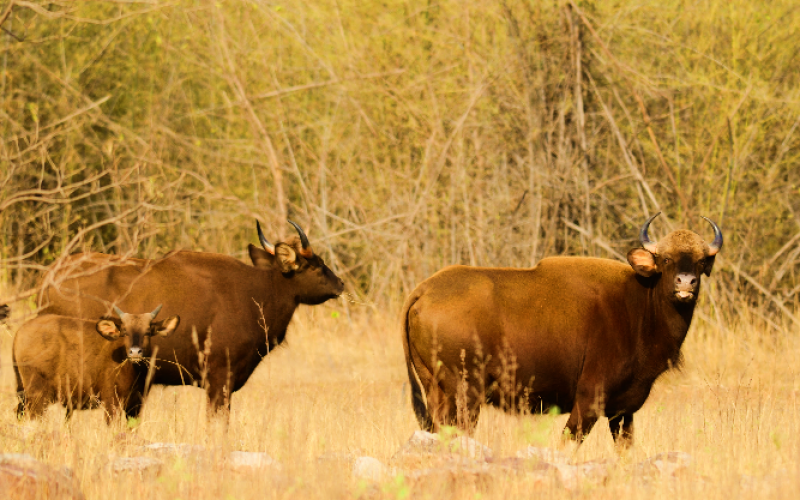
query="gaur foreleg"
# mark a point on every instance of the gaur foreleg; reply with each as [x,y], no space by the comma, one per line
[621,427]
[585,412]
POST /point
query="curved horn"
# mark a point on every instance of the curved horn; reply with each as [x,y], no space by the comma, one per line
[269,247]
[715,245]
[648,245]
[156,311]
[307,251]
[119,312]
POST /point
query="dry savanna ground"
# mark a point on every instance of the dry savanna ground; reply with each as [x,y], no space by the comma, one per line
[338,390]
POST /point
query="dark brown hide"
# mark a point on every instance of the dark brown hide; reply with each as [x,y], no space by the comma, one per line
[587,335]
[67,360]
[240,305]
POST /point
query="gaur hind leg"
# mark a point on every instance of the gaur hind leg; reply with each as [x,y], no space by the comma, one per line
[621,427]
[35,402]
[418,398]
[441,405]
[20,392]
[454,404]
[36,395]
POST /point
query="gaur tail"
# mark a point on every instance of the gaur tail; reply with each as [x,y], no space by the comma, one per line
[418,396]
[20,390]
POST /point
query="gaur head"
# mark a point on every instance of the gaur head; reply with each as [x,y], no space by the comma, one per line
[137,330]
[295,259]
[679,259]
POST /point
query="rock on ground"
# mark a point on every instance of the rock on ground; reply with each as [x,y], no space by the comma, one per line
[244,461]
[541,454]
[423,447]
[141,465]
[369,468]
[173,449]
[23,477]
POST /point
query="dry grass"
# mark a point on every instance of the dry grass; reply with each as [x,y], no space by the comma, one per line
[340,387]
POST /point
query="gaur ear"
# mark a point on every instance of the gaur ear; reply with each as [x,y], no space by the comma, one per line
[287,258]
[165,327]
[108,329]
[642,262]
[709,265]
[260,257]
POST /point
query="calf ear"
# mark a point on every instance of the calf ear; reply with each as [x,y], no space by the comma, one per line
[108,329]
[167,326]
[709,265]
[287,258]
[260,257]
[642,262]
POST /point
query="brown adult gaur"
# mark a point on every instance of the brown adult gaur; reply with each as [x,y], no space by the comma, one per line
[239,312]
[587,335]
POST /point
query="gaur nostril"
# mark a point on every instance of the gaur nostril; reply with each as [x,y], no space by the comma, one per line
[684,279]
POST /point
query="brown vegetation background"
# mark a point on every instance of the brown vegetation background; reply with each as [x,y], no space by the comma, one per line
[406,136]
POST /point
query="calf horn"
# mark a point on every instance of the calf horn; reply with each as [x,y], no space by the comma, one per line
[715,245]
[306,252]
[648,245]
[269,247]
[119,312]
[156,311]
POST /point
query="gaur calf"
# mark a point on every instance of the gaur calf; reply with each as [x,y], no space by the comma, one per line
[84,364]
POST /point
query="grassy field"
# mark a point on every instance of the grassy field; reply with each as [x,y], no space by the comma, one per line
[339,388]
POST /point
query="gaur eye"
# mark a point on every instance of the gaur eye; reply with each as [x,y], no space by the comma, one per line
[667,260]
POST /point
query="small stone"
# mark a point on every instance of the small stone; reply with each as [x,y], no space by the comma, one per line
[369,468]
[596,471]
[140,465]
[130,439]
[423,446]
[249,460]
[24,477]
[541,454]
[179,449]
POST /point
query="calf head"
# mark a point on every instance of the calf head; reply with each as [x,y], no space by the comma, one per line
[137,330]
[313,281]
[680,259]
